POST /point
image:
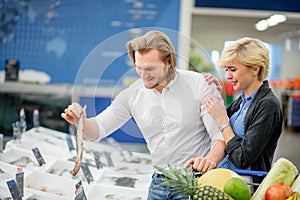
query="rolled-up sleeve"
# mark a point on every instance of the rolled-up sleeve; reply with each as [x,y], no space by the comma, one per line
[209,123]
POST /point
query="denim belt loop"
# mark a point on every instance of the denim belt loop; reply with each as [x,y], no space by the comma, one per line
[157,175]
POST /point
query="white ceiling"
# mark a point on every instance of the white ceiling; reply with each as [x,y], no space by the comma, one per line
[287,29]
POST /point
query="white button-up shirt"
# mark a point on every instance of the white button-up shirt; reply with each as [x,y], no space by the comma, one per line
[175,123]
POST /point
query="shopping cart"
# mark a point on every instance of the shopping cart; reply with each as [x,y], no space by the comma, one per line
[247,175]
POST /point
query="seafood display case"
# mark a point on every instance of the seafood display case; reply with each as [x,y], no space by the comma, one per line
[121,174]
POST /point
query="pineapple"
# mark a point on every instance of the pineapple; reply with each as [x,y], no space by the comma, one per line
[184,181]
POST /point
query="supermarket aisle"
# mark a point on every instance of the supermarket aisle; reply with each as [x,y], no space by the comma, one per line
[288,147]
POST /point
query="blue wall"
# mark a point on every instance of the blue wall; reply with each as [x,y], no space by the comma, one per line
[56,36]
[82,42]
[128,133]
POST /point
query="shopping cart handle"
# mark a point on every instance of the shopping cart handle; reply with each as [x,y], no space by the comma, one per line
[244,172]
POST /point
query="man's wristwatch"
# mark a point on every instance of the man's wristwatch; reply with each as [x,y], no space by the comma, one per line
[221,128]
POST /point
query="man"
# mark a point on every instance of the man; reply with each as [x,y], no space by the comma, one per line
[168,106]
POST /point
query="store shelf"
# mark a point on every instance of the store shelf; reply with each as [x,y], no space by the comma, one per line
[293,111]
[49,99]
[63,90]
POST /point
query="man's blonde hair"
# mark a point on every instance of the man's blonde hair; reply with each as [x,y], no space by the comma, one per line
[250,52]
[157,40]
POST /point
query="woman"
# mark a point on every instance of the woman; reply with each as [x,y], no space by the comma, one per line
[252,124]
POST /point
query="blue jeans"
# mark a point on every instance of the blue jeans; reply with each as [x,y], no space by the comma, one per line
[162,192]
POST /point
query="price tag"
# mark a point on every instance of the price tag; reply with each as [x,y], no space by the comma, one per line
[1,142]
[79,192]
[38,156]
[23,123]
[72,129]
[36,119]
[13,189]
[20,182]
[108,158]
[70,142]
[97,159]
[12,67]
[16,130]
[87,173]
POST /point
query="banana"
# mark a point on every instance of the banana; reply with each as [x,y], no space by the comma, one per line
[294,196]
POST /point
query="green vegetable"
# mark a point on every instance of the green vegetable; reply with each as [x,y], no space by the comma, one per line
[283,171]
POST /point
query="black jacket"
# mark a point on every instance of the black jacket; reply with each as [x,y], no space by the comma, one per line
[263,127]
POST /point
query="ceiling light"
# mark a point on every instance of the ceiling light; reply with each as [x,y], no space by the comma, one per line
[261,25]
[271,21]
[278,18]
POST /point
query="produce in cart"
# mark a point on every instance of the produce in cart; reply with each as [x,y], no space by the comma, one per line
[217,177]
[283,171]
[278,191]
[238,189]
[281,183]
[184,181]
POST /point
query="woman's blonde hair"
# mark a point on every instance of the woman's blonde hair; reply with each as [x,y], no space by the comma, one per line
[157,40]
[251,52]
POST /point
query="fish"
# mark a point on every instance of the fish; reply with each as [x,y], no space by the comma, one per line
[23,161]
[79,143]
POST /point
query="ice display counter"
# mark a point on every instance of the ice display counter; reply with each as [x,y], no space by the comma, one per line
[126,176]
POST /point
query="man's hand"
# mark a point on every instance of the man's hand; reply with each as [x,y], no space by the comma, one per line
[201,164]
[72,113]
[211,79]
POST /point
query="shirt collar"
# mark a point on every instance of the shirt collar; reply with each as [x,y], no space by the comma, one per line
[172,82]
[248,98]
[167,87]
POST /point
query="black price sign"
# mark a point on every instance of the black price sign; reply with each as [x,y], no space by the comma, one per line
[97,159]
[87,173]
[20,182]
[70,142]
[13,189]
[11,70]
[79,192]
[38,156]
[108,158]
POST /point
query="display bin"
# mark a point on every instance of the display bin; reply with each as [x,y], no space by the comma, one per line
[52,184]
[25,159]
[101,191]
[64,169]
[28,143]
[54,179]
